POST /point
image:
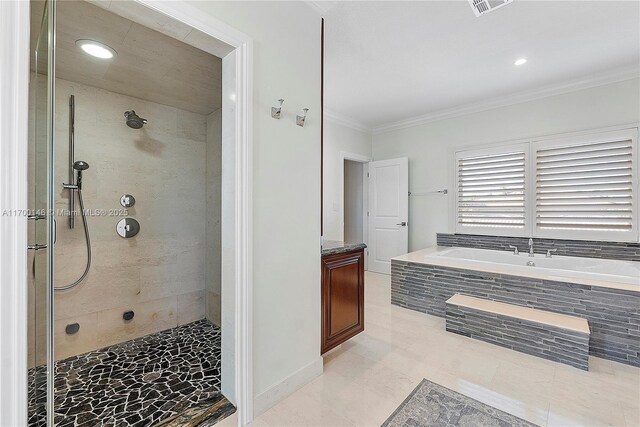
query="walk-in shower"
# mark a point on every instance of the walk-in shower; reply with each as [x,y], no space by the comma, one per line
[134,338]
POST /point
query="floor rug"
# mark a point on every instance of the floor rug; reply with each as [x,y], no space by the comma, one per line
[433,405]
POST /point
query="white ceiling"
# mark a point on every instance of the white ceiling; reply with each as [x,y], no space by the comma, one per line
[390,61]
[163,68]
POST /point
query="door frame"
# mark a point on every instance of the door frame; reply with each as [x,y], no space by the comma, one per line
[14,108]
[344,155]
[14,113]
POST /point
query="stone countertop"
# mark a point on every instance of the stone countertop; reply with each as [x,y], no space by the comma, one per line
[332,247]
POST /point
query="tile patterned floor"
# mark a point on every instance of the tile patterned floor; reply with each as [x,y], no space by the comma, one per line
[369,376]
[136,383]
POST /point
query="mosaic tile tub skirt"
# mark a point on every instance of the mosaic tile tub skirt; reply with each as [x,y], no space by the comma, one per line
[136,383]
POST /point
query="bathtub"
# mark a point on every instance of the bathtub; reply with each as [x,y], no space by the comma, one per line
[605,292]
[586,271]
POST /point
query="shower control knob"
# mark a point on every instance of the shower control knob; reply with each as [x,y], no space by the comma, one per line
[128,227]
[127,200]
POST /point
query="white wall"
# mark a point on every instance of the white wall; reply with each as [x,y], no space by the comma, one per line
[286,191]
[353,202]
[338,138]
[429,146]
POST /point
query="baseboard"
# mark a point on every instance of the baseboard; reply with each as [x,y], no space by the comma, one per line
[293,382]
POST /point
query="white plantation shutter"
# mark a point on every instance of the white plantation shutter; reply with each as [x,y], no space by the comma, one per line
[586,189]
[490,196]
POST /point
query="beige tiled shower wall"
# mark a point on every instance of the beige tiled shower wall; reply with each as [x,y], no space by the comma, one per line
[160,273]
[213,289]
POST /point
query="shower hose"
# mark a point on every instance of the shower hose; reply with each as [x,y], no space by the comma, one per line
[88,240]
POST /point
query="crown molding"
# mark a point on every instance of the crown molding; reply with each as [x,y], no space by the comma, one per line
[322,6]
[345,121]
[602,79]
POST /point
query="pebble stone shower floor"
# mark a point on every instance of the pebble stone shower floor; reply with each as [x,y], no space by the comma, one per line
[136,383]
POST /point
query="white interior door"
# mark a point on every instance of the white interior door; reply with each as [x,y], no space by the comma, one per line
[388,212]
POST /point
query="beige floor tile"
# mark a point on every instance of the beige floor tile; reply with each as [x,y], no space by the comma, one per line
[526,387]
[602,385]
[631,415]
[258,422]
[588,412]
[230,421]
[369,376]
[303,409]
[349,364]
[354,400]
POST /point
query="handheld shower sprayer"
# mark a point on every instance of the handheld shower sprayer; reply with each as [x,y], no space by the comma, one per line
[76,187]
[80,166]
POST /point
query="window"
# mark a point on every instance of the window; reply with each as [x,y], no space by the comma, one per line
[490,194]
[583,188]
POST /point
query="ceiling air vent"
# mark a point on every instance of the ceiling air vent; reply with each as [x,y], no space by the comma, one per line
[480,7]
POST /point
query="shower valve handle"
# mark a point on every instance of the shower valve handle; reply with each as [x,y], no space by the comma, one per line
[36,247]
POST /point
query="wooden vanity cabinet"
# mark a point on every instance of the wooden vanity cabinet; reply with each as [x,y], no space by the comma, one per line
[342,297]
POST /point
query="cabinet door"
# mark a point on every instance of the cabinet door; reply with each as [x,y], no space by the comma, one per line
[342,298]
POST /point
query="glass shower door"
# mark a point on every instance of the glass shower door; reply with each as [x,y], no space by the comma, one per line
[41,230]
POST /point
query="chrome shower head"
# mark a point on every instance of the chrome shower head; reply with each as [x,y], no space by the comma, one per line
[133,120]
[81,166]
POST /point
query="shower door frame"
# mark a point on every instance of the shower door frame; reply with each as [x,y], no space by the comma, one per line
[15,20]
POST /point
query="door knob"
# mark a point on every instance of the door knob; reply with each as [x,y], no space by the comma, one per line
[402,224]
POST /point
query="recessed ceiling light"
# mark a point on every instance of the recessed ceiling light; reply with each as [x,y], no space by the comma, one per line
[97,49]
[520,61]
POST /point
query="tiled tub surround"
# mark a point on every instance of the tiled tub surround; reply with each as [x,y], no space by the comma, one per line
[585,271]
[135,383]
[162,273]
[578,248]
[552,336]
[418,283]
